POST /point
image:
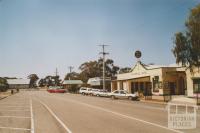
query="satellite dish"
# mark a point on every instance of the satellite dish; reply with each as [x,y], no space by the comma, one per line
[138,54]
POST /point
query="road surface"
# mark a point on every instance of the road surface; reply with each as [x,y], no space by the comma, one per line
[42,112]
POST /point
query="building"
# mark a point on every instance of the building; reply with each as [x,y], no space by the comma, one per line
[18,83]
[152,79]
[69,83]
[97,82]
[193,82]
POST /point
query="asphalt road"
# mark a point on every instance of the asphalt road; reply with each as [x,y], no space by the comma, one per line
[42,112]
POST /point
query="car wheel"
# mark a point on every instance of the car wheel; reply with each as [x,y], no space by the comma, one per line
[98,95]
[113,97]
[130,98]
[83,93]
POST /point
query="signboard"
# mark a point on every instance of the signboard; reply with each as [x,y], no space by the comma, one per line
[138,54]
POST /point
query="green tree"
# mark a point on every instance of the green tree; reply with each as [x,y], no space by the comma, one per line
[72,76]
[95,69]
[187,43]
[3,84]
[124,70]
[33,79]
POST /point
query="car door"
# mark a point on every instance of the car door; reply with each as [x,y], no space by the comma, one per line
[117,94]
[123,94]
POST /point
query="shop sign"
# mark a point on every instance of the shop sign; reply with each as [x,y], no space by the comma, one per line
[139,73]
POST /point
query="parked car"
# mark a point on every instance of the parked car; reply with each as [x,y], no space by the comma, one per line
[122,94]
[93,91]
[101,93]
[84,90]
[56,89]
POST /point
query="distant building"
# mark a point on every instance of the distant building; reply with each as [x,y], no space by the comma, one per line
[97,82]
[69,83]
[18,83]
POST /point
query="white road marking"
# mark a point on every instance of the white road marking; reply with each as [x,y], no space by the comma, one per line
[14,107]
[15,110]
[122,115]
[32,118]
[18,117]
[56,117]
[12,128]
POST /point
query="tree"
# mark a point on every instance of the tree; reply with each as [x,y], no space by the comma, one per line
[93,69]
[124,70]
[50,81]
[72,76]
[187,43]
[3,84]
[33,79]
[42,83]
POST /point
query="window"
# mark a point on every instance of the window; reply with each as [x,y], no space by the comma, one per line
[116,92]
[196,85]
[156,84]
[122,92]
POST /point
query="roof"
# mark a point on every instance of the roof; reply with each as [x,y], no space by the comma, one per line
[149,67]
[72,82]
[97,80]
[18,81]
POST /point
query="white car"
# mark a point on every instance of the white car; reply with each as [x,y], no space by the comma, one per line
[84,90]
[122,94]
[101,93]
[92,91]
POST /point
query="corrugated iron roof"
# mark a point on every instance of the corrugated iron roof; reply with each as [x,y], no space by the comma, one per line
[18,81]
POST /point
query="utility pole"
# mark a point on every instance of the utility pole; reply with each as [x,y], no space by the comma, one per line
[56,72]
[70,70]
[104,55]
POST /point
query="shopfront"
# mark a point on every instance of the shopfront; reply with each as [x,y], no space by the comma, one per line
[193,82]
[152,79]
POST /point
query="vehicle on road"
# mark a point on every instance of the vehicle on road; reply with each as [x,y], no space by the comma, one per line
[101,93]
[93,91]
[84,90]
[56,89]
[122,94]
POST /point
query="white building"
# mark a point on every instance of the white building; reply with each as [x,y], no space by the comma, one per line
[18,83]
[152,79]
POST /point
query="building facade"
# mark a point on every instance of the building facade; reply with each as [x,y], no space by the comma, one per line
[152,79]
[193,82]
[18,83]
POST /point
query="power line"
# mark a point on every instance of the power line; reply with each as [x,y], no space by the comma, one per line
[104,55]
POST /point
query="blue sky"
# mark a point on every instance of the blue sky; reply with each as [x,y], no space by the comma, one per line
[36,36]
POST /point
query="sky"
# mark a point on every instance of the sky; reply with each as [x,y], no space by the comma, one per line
[38,36]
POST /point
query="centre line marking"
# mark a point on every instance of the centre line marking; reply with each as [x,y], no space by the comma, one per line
[15,110]
[122,115]
[13,128]
[56,117]
[19,117]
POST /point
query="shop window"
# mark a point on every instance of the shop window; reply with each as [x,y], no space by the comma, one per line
[156,84]
[196,84]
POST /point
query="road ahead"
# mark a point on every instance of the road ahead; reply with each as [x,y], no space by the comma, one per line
[42,112]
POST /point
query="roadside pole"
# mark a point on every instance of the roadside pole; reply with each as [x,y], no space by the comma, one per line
[104,55]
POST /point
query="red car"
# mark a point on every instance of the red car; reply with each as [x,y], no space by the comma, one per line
[56,90]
